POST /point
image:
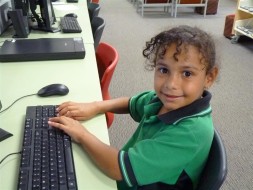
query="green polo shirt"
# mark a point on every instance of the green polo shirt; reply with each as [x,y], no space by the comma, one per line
[166,151]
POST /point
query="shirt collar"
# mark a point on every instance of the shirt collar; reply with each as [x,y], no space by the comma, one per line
[198,107]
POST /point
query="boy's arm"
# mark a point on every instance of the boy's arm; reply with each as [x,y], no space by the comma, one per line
[118,105]
[85,111]
[104,156]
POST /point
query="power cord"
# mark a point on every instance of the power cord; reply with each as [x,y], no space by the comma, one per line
[16,101]
[10,155]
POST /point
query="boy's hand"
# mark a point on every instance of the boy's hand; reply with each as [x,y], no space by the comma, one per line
[78,111]
[70,126]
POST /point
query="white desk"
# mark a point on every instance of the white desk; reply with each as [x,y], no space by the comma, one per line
[22,78]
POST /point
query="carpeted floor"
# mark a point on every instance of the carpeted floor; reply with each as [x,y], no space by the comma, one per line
[232,106]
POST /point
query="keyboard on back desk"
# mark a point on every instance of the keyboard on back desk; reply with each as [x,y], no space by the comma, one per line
[70,25]
[46,158]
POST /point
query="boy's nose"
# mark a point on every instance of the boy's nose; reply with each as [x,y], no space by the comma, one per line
[172,81]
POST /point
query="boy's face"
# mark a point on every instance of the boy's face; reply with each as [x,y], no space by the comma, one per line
[179,83]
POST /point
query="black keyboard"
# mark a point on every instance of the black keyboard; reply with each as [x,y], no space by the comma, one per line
[70,25]
[46,158]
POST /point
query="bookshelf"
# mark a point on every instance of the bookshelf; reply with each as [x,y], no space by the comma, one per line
[243,22]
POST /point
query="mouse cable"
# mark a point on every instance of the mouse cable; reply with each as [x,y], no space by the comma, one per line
[16,101]
[10,155]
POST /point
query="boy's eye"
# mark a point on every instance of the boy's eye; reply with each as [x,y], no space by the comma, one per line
[187,73]
[163,70]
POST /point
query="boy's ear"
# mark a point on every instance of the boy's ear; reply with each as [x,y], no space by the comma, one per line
[211,76]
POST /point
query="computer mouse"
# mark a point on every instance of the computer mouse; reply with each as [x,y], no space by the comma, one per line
[53,89]
[71,15]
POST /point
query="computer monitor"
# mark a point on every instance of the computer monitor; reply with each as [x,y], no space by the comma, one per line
[47,18]
[21,4]
[5,21]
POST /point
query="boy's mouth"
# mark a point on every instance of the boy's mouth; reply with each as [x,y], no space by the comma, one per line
[172,97]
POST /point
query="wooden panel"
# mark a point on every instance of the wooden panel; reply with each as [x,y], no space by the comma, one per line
[190,1]
[212,7]
[156,1]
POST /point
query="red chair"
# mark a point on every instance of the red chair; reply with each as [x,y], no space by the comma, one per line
[107,59]
[93,1]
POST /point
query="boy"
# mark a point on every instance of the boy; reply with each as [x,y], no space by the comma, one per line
[171,144]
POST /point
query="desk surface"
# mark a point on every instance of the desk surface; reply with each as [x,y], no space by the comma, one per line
[22,78]
[61,9]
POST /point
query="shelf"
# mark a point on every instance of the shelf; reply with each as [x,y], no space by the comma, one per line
[248,10]
[243,22]
[244,27]
[246,6]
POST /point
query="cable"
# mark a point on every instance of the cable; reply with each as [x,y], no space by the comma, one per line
[10,155]
[16,101]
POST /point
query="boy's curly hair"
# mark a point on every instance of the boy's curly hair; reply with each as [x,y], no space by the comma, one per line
[182,36]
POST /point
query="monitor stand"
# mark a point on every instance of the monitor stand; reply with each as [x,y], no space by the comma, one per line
[43,28]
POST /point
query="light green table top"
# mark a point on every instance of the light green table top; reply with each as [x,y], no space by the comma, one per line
[22,78]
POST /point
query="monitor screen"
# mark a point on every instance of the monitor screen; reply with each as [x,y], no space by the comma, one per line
[47,17]
[46,10]
[21,4]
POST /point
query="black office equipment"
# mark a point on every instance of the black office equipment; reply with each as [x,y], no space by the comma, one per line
[20,23]
[21,5]
[71,15]
[19,16]
[45,19]
[72,1]
[46,159]
[5,22]
[53,89]
[42,49]
[70,25]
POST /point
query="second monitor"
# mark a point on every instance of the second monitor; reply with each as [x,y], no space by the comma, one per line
[47,17]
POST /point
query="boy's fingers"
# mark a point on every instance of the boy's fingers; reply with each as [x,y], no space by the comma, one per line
[54,124]
[54,119]
[59,119]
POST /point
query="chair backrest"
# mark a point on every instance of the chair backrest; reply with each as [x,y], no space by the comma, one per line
[92,1]
[215,171]
[93,9]
[97,26]
[107,59]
